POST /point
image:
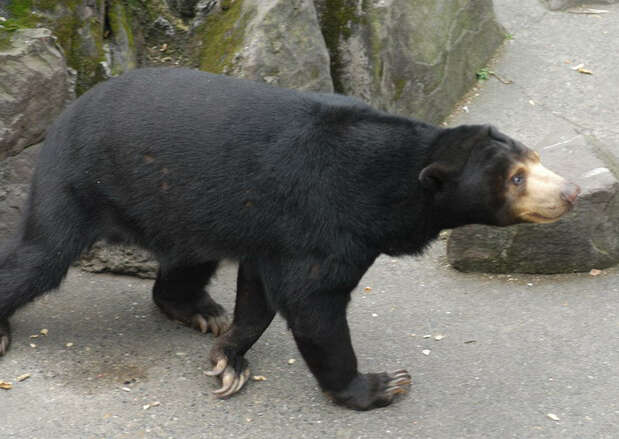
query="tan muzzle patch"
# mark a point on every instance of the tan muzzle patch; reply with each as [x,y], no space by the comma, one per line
[544,197]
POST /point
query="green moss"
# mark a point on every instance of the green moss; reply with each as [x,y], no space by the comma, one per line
[46,5]
[399,84]
[337,17]
[82,43]
[5,39]
[222,36]
[20,8]
[372,23]
[120,22]
[20,12]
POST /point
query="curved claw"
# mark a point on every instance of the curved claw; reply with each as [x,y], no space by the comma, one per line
[219,368]
[398,382]
[198,321]
[232,382]
[219,324]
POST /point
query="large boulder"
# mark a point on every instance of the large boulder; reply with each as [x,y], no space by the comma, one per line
[586,238]
[34,87]
[412,57]
[97,36]
[15,175]
[275,41]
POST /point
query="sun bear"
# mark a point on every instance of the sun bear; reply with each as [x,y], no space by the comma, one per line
[304,190]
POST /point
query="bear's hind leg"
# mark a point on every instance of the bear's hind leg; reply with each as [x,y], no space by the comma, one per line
[252,315]
[181,294]
[37,261]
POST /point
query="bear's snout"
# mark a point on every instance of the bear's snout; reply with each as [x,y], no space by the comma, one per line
[545,197]
[570,192]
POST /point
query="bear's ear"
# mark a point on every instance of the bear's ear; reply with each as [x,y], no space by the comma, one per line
[434,176]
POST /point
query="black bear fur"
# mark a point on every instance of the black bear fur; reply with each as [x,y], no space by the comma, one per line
[304,189]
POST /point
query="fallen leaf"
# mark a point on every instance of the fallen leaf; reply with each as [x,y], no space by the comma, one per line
[595,272]
[585,71]
[5,385]
[259,378]
[367,289]
[23,377]
[553,416]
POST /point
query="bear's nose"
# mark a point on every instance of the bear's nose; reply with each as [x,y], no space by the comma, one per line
[570,192]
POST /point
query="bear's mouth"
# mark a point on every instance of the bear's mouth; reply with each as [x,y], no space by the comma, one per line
[536,217]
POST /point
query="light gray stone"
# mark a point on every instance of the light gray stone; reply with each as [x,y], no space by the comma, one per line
[274,41]
[415,58]
[15,175]
[34,88]
[165,25]
[586,238]
[132,261]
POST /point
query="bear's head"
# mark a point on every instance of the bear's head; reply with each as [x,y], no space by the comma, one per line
[477,175]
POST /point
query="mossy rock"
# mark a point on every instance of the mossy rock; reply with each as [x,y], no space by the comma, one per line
[274,41]
[221,35]
[412,57]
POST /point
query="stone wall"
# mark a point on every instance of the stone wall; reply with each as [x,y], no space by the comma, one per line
[411,57]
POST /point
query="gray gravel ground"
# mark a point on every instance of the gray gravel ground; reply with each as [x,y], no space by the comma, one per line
[515,349]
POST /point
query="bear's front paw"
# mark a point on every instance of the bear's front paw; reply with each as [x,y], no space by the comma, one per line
[5,336]
[372,390]
[233,372]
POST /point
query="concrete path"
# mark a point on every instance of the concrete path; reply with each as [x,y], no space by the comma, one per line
[515,349]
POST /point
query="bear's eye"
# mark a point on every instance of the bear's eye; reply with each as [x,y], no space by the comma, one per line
[518,179]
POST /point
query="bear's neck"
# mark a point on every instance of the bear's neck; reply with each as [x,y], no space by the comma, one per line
[412,221]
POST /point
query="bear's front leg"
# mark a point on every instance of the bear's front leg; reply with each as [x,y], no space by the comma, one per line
[252,315]
[321,331]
